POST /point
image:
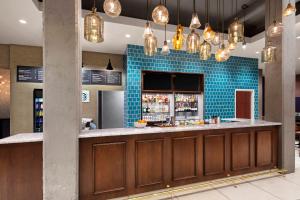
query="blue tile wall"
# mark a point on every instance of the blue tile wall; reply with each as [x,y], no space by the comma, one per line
[220,79]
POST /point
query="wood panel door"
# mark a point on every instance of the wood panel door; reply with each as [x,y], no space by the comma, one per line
[243,102]
[184,158]
[149,162]
[214,154]
[240,151]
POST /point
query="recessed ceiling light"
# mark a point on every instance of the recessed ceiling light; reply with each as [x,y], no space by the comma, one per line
[257,52]
[168,41]
[299,58]
[22,21]
[298,37]
[127,36]
[1,76]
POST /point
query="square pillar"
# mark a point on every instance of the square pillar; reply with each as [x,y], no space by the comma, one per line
[280,83]
[62,92]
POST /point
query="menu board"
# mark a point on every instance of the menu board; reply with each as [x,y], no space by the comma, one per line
[89,77]
[29,74]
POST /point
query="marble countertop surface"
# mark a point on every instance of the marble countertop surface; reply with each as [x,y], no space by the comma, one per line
[239,123]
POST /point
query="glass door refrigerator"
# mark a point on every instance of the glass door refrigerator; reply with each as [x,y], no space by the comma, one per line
[38,110]
[156,107]
[188,108]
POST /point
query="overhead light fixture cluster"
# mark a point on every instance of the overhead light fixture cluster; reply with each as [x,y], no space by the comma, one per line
[94,23]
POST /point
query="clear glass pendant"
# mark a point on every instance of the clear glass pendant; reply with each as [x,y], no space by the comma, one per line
[192,42]
[195,22]
[290,9]
[222,54]
[236,31]
[150,45]
[112,8]
[268,54]
[208,33]
[231,45]
[165,49]
[178,38]
[160,15]
[93,27]
[217,39]
[275,29]
[205,50]
[148,31]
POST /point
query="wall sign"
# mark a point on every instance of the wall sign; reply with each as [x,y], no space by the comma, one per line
[89,77]
[85,96]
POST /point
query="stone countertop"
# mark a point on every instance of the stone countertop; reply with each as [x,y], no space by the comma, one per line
[239,123]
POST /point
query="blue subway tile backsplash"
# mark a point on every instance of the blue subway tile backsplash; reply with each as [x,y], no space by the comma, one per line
[220,79]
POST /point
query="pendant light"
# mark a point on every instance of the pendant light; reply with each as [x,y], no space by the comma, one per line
[195,22]
[109,65]
[150,45]
[148,30]
[236,28]
[290,9]
[160,14]
[93,26]
[178,38]
[231,45]
[112,8]
[222,54]
[276,28]
[150,41]
[165,48]
[205,50]
[217,39]
[268,54]
[192,42]
[208,33]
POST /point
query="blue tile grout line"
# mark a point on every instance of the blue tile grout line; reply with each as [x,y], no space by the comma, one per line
[220,79]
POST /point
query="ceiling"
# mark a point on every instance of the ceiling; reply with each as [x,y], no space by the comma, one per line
[12,32]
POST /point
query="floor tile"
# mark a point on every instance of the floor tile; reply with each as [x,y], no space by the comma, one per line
[280,188]
[246,191]
[208,195]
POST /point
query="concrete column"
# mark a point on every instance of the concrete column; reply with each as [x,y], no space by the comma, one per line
[62,91]
[280,84]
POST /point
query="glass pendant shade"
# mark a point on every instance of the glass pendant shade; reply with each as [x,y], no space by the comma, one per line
[236,31]
[165,49]
[268,54]
[244,45]
[275,29]
[290,9]
[93,27]
[160,15]
[112,8]
[148,31]
[195,22]
[222,54]
[231,45]
[208,33]
[217,39]
[192,42]
[205,50]
[178,38]
[150,45]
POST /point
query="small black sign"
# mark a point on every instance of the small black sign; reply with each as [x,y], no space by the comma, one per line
[29,74]
[89,77]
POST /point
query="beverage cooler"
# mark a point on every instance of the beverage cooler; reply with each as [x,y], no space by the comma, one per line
[38,110]
[156,107]
[188,107]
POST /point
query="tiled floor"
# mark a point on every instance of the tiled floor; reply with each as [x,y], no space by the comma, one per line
[285,188]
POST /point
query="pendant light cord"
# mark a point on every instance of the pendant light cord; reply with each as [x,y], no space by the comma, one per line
[218,13]
[223,21]
[269,20]
[206,10]
[147,11]
[165,23]
[236,8]
[178,11]
[94,3]
[194,6]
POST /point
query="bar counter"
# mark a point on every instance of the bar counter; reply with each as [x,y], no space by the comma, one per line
[121,162]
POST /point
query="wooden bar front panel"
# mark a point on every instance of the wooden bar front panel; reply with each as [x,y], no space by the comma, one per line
[118,166]
[214,154]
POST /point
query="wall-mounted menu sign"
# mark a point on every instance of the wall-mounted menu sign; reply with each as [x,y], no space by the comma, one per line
[29,74]
[89,77]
